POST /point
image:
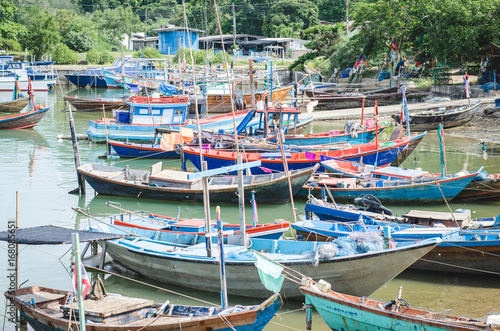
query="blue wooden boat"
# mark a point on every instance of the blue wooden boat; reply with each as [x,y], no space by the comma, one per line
[50,310]
[184,231]
[135,150]
[144,115]
[392,184]
[347,312]
[190,267]
[332,137]
[381,154]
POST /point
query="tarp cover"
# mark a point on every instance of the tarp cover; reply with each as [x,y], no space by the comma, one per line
[53,235]
[169,89]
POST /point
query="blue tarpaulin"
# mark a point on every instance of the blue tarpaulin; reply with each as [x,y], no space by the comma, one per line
[169,89]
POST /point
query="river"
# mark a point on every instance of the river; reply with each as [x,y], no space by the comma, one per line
[40,167]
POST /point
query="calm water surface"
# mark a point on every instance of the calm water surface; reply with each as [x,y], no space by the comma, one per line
[40,166]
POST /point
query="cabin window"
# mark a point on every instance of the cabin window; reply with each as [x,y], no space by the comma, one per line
[143,111]
[156,111]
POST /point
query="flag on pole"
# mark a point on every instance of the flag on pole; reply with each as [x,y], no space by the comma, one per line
[85,281]
[358,61]
[17,89]
[467,86]
[254,210]
[183,64]
[442,150]
[270,273]
[405,116]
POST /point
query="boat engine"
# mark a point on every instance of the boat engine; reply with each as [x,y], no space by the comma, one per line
[373,204]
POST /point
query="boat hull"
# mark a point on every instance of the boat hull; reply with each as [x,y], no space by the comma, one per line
[358,275]
[22,120]
[82,80]
[95,105]
[314,139]
[343,314]
[488,189]
[14,105]
[124,149]
[432,122]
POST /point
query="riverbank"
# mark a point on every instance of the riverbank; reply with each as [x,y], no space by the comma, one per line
[486,127]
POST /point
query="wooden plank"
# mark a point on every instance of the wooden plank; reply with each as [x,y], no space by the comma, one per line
[223,170]
[110,305]
[40,297]
[436,215]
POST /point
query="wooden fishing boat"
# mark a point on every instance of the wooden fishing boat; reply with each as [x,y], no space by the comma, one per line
[23,120]
[135,150]
[96,105]
[51,309]
[347,312]
[415,139]
[15,105]
[386,96]
[144,115]
[448,117]
[190,267]
[373,212]
[392,184]
[221,102]
[175,186]
[158,227]
[487,188]
[381,154]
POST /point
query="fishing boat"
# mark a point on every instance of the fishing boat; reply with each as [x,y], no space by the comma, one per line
[191,267]
[347,312]
[107,104]
[392,184]
[55,310]
[484,187]
[175,186]
[23,120]
[373,212]
[448,117]
[15,105]
[146,114]
[136,150]
[386,96]
[378,153]
[17,71]
[183,231]
[364,135]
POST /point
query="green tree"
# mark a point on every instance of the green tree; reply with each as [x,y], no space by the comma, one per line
[287,12]
[113,23]
[80,34]
[9,30]
[42,30]
[331,10]
[453,30]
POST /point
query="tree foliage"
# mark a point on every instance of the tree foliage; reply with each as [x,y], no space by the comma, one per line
[9,29]
[286,12]
[42,30]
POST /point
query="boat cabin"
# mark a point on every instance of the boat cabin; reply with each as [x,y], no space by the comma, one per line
[395,173]
[283,117]
[164,110]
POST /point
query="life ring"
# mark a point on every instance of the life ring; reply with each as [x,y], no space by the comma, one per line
[219,98]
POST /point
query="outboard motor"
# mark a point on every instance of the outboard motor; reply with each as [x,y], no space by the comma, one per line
[372,204]
[239,100]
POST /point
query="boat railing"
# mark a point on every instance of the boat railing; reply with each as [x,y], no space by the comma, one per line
[160,100]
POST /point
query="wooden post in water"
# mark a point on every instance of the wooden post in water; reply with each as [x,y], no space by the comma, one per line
[76,252]
[252,84]
[220,235]
[206,204]
[81,180]
[241,202]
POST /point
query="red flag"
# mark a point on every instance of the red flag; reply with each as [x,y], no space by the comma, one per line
[85,281]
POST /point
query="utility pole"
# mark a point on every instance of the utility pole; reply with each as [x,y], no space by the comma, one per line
[234,28]
[145,26]
[347,16]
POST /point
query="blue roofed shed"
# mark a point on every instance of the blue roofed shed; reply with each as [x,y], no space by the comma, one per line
[170,35]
